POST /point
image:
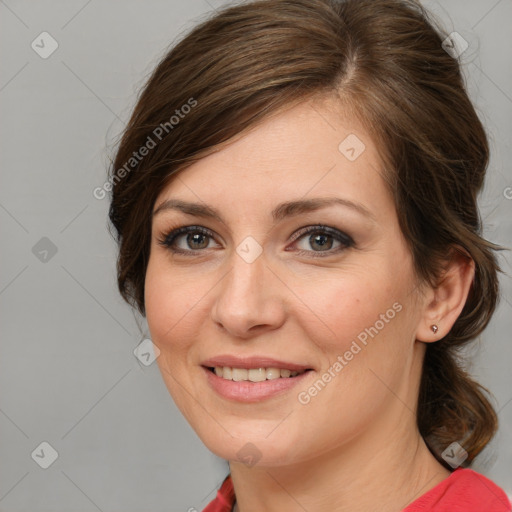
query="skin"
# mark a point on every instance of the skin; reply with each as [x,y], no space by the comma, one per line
[355,446]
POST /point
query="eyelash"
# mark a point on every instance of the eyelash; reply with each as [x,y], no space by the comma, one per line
[167,240]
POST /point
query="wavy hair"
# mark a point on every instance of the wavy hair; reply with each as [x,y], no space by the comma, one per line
[384,59]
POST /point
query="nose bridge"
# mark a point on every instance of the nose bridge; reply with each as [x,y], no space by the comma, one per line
[245,283]
[248,268]
[246,296]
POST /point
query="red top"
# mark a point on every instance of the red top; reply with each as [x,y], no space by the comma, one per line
[464,490]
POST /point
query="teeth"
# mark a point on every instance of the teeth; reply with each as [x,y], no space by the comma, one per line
[257,374]
[240,374]
[273,373]
[253,374]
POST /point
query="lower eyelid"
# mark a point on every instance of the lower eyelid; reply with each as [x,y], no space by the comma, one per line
[334,251]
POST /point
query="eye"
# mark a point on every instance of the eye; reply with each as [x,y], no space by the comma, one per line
[193,238]
[188,240]
[322,239]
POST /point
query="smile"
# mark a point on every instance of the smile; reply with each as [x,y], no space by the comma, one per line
[250,385]
[253,374]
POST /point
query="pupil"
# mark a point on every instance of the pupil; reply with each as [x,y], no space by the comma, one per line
[320,240]
[196,237]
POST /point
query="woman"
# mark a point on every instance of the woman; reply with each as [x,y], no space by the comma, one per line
[294,199]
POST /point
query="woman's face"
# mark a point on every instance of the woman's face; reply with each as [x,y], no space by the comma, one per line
[277,280]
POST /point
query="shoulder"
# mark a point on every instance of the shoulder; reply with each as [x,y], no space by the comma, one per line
[225,498]
[464,490]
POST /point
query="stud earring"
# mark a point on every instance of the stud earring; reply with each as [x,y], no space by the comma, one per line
[434,328]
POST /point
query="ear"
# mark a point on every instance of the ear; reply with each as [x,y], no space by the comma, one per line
[444,303]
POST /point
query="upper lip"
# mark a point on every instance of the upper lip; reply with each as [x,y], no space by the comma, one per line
[253,362]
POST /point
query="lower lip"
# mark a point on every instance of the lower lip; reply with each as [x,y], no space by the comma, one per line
[247,391]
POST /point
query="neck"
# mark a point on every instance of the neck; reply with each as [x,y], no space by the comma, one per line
[376,472]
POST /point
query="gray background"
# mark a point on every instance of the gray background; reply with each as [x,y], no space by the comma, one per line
[68,375]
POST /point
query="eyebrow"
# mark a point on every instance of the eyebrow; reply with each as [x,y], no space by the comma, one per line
[282,211]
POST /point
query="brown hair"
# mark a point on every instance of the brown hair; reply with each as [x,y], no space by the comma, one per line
[383,59]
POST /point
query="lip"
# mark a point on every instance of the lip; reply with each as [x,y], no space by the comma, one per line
[250,392]
[253,362]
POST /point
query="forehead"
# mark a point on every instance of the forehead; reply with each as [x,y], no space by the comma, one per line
[311,149]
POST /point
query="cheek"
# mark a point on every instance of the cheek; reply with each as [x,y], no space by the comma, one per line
[169,299]
[171,311]
[340,308]
[362,322]
[357,323]
[172,305]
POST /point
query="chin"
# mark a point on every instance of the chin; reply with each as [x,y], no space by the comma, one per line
[252,450]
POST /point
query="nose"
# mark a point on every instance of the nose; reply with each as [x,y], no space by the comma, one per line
[249,299]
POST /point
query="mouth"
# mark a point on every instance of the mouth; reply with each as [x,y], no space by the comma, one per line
[252,379]
[254,374]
